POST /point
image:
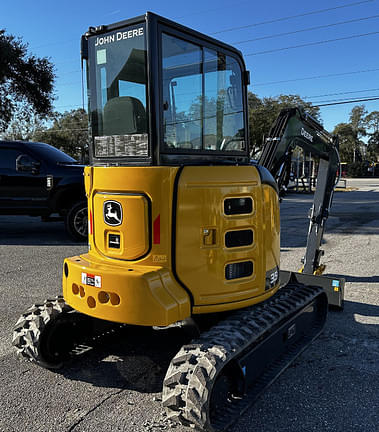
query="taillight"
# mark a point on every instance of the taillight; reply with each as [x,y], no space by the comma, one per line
[157,230]
[90,223]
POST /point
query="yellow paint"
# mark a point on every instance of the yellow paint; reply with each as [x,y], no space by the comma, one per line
[320,270]
[148,295]
[271,227]
[133,231]
[201,195]
[145,281]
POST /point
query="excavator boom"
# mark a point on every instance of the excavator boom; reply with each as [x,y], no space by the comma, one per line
[292,128]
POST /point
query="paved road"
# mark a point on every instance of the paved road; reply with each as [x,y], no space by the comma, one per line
[333,386]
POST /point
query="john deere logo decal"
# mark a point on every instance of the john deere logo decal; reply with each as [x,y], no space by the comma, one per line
[112,213]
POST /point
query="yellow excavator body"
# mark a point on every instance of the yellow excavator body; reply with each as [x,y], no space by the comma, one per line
[191,240]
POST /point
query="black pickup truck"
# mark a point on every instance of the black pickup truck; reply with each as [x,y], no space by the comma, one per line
[37,179]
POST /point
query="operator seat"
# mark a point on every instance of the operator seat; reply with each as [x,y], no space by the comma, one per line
[124,115]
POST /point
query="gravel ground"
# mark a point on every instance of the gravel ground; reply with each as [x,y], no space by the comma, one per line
[332,386]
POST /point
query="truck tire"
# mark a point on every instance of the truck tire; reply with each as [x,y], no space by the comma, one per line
[77,221]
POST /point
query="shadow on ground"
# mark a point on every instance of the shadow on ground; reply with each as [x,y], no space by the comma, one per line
[136,359]
[139,357]
[31,231]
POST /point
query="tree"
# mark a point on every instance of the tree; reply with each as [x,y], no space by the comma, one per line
[371,121]
[373,146]
[22,129]
[357,120]
[349,142]
[26,82]
[263,112]
[69,132]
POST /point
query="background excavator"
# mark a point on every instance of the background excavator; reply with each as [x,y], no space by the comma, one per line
[183,227]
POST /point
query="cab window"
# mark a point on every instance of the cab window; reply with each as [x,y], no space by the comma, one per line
[202,98]
[118,85]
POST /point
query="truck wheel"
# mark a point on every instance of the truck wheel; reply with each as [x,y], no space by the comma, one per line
[77,221]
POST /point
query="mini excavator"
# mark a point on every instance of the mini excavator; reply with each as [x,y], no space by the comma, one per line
[183,227]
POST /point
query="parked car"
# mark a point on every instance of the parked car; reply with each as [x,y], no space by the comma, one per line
[37,179]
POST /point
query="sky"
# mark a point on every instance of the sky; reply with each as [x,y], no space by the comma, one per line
[324,51]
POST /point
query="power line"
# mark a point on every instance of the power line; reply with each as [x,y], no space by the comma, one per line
[303,97]
[69,106]
[292,16]
[306,29]
[344,99]
[283,19]
[342,102]
[348,102]
[312,44]
[315,77]
[62,42]
[340,93]
[286,81]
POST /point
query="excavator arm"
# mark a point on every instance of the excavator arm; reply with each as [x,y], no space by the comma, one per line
[292,128]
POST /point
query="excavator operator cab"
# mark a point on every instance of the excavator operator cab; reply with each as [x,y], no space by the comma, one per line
[161,95]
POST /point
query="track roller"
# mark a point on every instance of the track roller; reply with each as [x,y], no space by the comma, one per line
[213,380]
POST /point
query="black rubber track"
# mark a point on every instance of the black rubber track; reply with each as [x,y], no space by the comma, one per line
[188,385]
[32,324]
[51,332]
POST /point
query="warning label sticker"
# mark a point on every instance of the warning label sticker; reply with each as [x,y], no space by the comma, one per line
[91,280]
[159,258]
